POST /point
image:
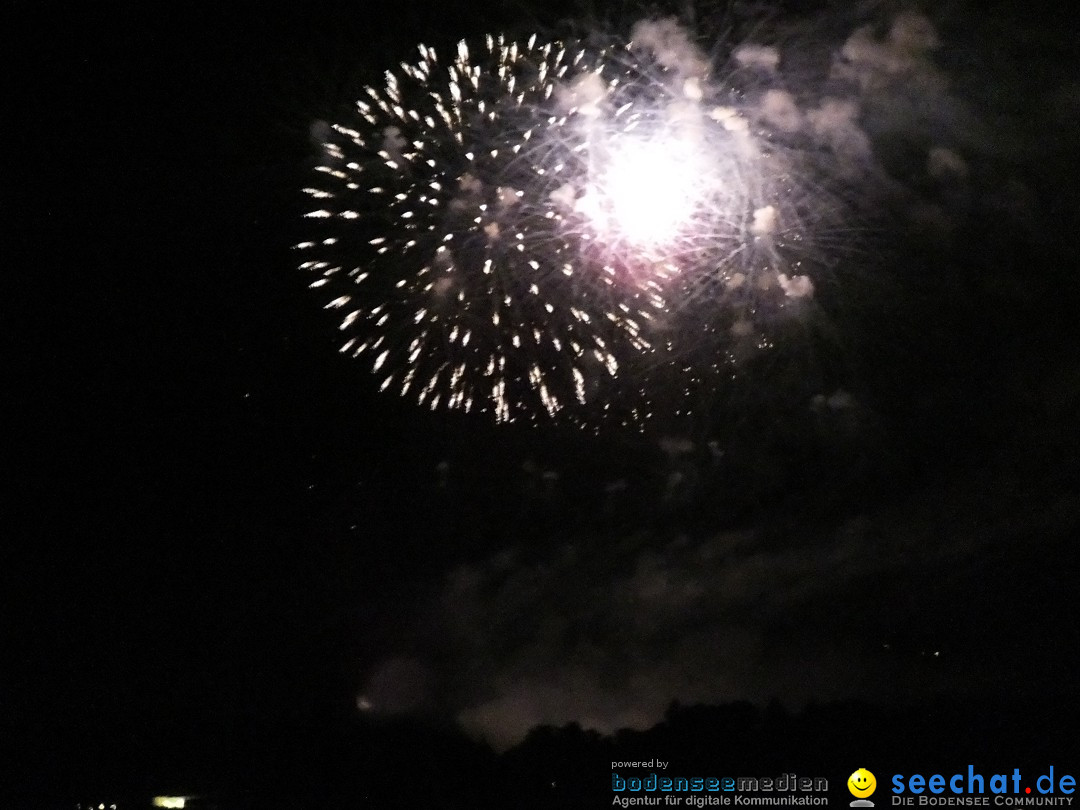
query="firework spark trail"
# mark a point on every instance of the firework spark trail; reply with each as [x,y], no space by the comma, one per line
[462,275]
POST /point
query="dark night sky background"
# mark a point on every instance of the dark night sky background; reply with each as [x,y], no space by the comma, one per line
[216,520]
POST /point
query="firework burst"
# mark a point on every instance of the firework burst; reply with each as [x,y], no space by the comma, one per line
[529,228]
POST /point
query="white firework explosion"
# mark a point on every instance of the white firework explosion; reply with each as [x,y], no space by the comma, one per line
[534,228]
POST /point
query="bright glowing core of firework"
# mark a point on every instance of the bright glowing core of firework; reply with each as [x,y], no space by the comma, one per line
[646,193]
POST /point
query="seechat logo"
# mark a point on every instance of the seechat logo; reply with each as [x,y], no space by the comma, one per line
[974,789]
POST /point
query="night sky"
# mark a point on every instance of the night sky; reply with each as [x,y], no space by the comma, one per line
[221,534]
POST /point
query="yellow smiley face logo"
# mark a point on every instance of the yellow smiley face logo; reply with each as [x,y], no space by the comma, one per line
[861,783]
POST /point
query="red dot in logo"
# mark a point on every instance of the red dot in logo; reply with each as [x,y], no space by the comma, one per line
[1027,790]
